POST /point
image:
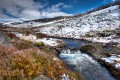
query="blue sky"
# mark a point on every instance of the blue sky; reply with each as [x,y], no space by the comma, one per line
[20,10]
[78,6]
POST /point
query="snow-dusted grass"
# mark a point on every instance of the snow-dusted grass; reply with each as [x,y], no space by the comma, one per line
[46,41]
[106,10]
[31,24]
[113,59]
[102,39]
[106,19]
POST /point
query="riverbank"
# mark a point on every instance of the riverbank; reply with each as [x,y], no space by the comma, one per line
[55,44]
[30,60]
[107,55]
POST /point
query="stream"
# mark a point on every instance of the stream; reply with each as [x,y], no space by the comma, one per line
[82,62]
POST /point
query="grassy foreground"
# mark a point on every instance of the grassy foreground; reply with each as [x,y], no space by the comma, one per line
[25,61]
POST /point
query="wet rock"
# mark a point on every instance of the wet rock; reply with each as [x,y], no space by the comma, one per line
[42,77]
[89,48]
[1,25]
[114,71]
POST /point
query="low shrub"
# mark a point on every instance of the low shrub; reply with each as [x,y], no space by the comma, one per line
[38,44]
[41,35]
[27,41]
[29,63]
[11,35]
[23,44]
[60,26]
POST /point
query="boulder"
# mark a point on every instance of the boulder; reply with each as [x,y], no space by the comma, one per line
[4,39]
[89,48]
[42,77]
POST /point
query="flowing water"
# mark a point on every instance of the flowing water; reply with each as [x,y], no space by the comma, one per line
[85,64]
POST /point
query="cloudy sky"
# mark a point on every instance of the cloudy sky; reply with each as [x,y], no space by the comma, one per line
[20,10]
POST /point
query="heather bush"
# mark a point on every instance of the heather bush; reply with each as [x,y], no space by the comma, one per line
[41,35]
[23,44]
[27,64]
[11,35]
[18,64]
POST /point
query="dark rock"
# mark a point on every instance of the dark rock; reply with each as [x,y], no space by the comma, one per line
[114,71]
[89,48]
[42,77]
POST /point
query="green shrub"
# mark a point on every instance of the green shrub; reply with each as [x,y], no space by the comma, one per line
[38,44]
[60,26]
[41,35]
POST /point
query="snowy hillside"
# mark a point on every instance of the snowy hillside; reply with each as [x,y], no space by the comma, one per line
[106,19]
[81,27]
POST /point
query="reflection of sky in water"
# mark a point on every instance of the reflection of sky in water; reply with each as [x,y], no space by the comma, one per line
[74,43]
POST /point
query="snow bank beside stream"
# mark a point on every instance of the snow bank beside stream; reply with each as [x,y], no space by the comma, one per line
[113,59]
[46,41]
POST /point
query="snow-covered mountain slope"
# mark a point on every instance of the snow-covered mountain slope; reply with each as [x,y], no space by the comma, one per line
[106,19]
[33,23]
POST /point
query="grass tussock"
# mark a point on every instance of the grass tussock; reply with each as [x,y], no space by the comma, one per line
[26,64]
[23,44]
[38,44]
[41,35]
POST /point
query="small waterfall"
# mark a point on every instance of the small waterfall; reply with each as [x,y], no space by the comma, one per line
[86,65]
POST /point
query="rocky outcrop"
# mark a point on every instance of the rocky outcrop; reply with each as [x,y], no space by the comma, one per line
[100,51]
[4,39]
[115,71]
[89,48]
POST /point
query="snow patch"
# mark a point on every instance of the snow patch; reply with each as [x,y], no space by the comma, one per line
[117,65]
[46,41]
[113,59]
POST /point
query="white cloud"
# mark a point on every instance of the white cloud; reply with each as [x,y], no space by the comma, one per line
[55,11]
[54,14]
[29,9]
[113,0]
[30,14]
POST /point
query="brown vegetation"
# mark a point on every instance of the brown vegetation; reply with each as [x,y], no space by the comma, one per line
[29,63]
[11,35]
[41,35]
